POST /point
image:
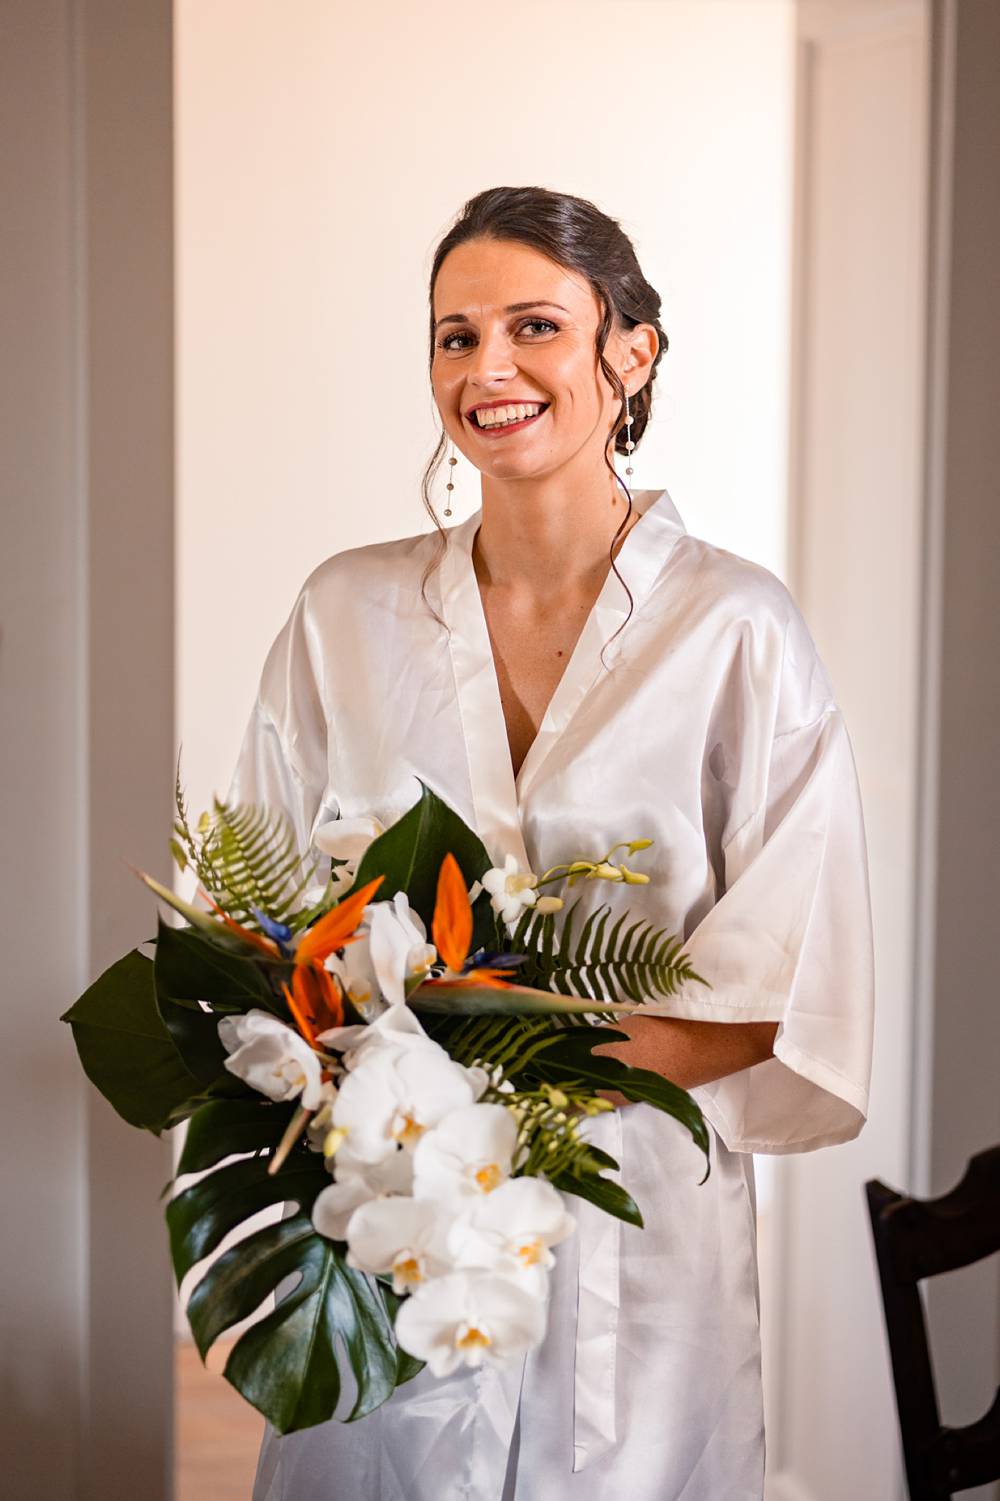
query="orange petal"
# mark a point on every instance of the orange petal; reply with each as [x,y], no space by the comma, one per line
[301,1020]
[314,1001]
[337,927]
[452,925]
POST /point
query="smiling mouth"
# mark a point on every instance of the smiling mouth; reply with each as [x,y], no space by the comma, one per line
[491,420]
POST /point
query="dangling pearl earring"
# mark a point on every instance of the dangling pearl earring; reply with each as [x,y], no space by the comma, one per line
[629,445]
[450,485]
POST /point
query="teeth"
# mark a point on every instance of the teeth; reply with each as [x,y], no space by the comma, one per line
[498,416]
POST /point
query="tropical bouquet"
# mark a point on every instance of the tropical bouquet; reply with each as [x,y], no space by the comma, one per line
[419,1107]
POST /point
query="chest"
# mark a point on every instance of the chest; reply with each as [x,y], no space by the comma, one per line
[531,643]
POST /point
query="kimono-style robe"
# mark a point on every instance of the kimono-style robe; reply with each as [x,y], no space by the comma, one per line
[710,727]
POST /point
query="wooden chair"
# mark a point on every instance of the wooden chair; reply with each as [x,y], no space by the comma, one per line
[914,1239]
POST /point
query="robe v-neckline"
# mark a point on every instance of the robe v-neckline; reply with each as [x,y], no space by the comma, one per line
[498,795]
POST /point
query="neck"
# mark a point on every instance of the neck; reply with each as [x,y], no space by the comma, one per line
[553,530]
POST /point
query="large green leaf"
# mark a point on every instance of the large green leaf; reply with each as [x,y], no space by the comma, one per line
[571,1059]
[223,1128]
[409,854]
[291,1364]
[288,1365]
[607,1195]
[203,1214]
[189,969]
[126,1050]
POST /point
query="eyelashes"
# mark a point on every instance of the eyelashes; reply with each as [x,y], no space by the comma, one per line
[447,345]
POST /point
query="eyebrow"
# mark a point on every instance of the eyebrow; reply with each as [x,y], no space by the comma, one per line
[514,307]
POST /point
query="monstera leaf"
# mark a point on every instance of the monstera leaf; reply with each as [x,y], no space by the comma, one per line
[290,1365]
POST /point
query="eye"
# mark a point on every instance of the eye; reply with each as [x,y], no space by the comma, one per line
[540,323]
[546,324]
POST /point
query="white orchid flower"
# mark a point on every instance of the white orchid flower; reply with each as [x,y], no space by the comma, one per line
[398,1027]
[399,947]
[510,889]
[404,1236]
[511,1230]
[356,973]
[333,1207]
[467,1155]
[272,1057]
[394,1094]
[346,839]
[468,1317]
[358,1183]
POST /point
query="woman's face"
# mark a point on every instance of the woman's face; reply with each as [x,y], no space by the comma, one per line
[513,328]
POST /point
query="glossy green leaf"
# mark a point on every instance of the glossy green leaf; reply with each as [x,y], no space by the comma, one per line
[607,1195]
[203,1214]
[572,1059]
[190,968]
[289,1364]
[333,1320]
[222,1128]
[409,854]
[126,1050]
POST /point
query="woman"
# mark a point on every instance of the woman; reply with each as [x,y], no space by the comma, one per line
[569,668]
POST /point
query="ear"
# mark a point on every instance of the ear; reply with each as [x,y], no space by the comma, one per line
[639,348]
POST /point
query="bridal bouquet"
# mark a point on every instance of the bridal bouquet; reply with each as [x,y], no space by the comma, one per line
[419,1106]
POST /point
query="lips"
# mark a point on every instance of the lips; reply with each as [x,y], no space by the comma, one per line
[504,427]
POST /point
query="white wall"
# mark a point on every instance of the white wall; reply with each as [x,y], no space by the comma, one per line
[86,678]
[322,150]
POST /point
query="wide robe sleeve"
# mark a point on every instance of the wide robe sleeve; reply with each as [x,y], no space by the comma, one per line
[789,939]
[285,755]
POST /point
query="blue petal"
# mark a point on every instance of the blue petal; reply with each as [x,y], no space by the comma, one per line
[482,960]
[279,931]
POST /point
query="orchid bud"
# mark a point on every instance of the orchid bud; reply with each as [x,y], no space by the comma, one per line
[333,1140]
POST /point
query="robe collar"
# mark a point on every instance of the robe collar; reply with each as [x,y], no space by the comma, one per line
[497,795]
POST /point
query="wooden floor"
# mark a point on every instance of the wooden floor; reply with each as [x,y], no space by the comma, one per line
[218,1433]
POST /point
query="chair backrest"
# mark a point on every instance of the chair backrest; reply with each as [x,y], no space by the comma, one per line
[914,1239]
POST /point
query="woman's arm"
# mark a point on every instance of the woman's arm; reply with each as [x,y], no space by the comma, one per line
[689,1052]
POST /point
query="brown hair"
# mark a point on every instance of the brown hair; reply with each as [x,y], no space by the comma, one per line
[577,235]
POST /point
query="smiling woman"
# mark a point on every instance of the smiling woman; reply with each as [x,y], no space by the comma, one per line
[566,668]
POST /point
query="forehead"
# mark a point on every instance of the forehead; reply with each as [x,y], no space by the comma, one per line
[483,275]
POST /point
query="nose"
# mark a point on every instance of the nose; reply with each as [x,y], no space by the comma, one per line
[491,360]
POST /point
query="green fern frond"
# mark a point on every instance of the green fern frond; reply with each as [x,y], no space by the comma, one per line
[632,962]
[251,858]
[245,857]
[504,1043]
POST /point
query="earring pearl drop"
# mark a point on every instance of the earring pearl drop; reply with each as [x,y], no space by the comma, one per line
[450,485]
[629,445]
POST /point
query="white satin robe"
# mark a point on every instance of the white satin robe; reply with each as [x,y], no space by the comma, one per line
[710,728]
